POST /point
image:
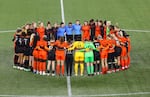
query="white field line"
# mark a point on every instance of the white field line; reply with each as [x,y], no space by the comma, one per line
[98,95]
[67,77]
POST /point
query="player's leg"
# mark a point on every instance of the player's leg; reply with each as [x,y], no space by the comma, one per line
[81,59]
[49,62]
[53,67]
[76,59]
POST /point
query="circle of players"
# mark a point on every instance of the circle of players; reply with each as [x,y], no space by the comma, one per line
[96,47]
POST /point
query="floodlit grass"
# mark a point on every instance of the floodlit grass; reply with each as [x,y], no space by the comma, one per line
[131,14]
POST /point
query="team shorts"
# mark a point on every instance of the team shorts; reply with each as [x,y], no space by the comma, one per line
[117,51]
[43,54]
[51,56]
[76,37]
[79,56]
[104,54]
[89,57]
[69,37]
[124,51]
[19,50]
[27,51]
[96,56]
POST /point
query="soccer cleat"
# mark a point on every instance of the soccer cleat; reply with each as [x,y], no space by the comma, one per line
[97,73]
[48,74]
[15,67]
[76,74]
[43,73]
[81,74]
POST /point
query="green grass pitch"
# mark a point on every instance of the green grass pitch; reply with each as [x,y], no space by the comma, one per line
[129,14]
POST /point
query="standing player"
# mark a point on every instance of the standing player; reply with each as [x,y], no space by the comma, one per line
[61,30]
[85,31]
[78,56]
[69,60]
[48,31]
[96,57]
[51,57]
[69,31]
[77,30]
[104,54]
[61,45]
[89,56]
[92,26]
[97,29]
[41,30]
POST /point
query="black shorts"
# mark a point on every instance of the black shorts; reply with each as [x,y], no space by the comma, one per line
[31,51]
[27,51]
[111,57]
[96,56]
[117,51]
[76,37]
[19,50]
[69,37]
[69,58]
[51,56]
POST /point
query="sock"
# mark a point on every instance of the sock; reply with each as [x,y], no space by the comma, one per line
[103,70]
[76,68]
[122,63]
[16,59]
[81,68]
[58,69]
[35,65]
[92,69]
[88,70]
[63,69]
[44,66]
[126,62]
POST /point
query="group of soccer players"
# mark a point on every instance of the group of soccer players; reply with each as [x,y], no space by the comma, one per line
[96,47]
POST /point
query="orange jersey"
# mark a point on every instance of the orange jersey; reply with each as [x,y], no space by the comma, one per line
[97,31]
[111,43]
[104,46]
[41,31]
[86,32]
[60,47]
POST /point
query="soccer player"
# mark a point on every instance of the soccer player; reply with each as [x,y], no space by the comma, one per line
[54,31]
[104,54]
[17,42]
[85,31]
[111,51]
[69,60]
[51,57]
[48,31]
[96,57]
[77,30]
[89,56]
[42,55]
[61,45]
[97,29]
[69,31]
[78,56]
[92,26]
[61,30]
[41,30]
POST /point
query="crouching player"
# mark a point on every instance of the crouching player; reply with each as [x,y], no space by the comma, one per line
[79,55]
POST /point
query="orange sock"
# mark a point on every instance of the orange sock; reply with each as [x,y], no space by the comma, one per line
[43,66]
[63,69]
[40,66]
[122,63]
[35,65]
[58,69]
[126,62]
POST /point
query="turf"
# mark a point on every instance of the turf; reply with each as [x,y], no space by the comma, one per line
[129,14]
